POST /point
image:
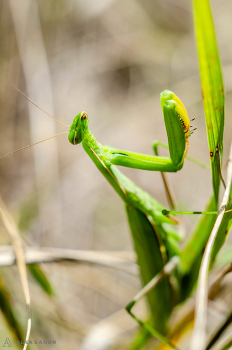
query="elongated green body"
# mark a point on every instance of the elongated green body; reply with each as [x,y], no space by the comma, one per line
[152,242]
[153,245]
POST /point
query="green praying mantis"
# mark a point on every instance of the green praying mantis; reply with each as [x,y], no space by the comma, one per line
[168,273]
[155,243]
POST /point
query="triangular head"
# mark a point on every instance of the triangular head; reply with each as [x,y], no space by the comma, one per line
[78,128]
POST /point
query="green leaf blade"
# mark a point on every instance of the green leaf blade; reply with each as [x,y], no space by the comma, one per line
[7,310]
[212,85]
[191,254]
[41,278]
[147,247]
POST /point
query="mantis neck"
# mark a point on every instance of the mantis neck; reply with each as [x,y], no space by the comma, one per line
[90,141]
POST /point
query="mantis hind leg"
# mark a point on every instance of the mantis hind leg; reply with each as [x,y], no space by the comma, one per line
[168,189]
[168,268]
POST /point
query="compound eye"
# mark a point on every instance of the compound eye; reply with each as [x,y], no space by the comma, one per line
[73,137]
[83,115]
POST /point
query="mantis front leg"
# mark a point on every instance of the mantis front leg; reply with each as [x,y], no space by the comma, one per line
[152,243]
[177,126]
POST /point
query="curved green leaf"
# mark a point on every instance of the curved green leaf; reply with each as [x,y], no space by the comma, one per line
[212,85]
[41,278]
[147,247]
[8,312]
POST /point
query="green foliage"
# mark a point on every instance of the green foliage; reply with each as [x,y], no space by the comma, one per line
[192,253]
[148,250]
[211,85]
[41,278]
[7,309]
[154,241]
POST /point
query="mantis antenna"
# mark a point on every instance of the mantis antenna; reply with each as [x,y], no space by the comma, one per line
[36,143]
[38,106]
[20,149]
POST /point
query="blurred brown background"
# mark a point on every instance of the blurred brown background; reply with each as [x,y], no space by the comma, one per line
[111,59]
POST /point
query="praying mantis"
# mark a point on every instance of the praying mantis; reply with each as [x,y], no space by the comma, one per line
[155,241]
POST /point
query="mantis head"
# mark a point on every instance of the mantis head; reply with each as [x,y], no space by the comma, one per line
[177,125]
[78,128]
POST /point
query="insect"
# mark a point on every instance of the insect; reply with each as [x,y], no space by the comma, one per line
[155,241]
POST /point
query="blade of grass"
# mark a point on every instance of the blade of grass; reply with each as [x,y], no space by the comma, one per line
[186,321]
[32,255]
[212,86]
[198,340]
[12,230]
[224,258]
[41,278]
[191,254]
[8,312]
[226,323]
[150,260]
[227,344]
